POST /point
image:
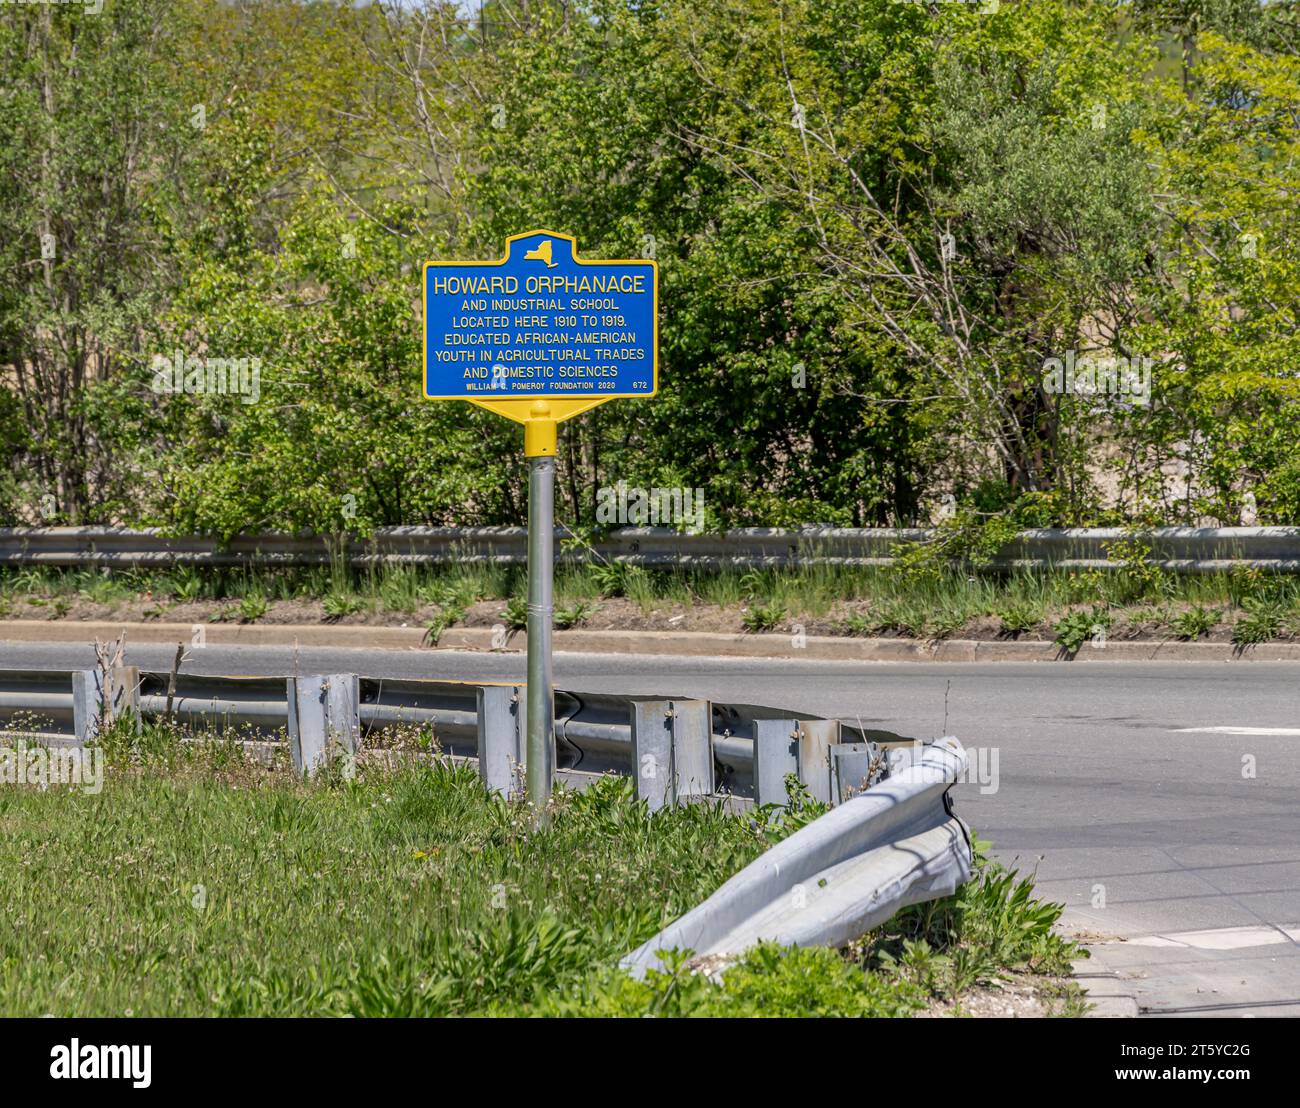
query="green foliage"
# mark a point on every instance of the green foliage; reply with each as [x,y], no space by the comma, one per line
[864,271]
[447,617]
[339,603]
[185,584]
[763,617]
[573,615]
[992,923]
[1078,626]
[1191,623]
[515,613]
[1138,577]
[230,887]
[233,889]
[614,578]
[1017,617]
[967,540]
[768,981]
[91,133]
[1259,622]
[252,607]
[776,822]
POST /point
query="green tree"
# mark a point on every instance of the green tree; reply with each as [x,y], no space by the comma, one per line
[88,123]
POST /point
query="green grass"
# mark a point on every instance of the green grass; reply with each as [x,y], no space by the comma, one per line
[854,600]
[199,883]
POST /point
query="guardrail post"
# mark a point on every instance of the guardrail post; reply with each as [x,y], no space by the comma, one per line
[672,750]
[816,739]
[502,731]
[94,706]
[799,746]
[324,719]
[854,767]
[692,728]
[652,753]
[776,753]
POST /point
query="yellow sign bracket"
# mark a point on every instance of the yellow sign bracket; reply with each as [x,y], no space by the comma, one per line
[539,418]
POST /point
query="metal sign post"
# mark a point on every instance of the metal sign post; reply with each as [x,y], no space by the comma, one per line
[540,747]
[539,336]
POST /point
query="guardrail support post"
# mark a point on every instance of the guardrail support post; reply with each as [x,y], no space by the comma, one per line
[816,739]
[672,750]
[776,754]
[799,746]
[94,706]
[854,767]
[502,733]
[324,720]
[692,724]
[652,753]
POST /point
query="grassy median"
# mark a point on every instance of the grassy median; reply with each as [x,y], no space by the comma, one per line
[198,881]
[1243,606]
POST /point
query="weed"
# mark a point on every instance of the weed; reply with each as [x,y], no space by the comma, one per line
[1192,623]
[573,615]
[1017,617]
[614,578]
[763,617]
[338,604]
[185,584]
[434,628]
[1260,621]
[253,605]
[774,822]
[1077,627]
[515,613]
[412,892]
[856,624]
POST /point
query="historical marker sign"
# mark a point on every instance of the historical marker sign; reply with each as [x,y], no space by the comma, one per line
[539,336]
[540,323]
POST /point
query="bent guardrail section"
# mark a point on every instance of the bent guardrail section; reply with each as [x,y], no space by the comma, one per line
[895,844]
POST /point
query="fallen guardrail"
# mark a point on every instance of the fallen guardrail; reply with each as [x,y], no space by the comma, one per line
[675,748]
[1179,549]
[896,843]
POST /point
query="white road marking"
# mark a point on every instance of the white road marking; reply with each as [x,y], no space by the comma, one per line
[1222,938]
[1238,730]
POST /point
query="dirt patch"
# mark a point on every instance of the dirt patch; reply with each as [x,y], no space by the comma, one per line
[1019,996]
[149,610]
[620,614]
[1085,935]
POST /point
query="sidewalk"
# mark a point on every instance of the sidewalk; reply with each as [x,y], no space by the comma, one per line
[1231,971]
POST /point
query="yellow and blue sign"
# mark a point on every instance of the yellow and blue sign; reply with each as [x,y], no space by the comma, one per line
[541,324]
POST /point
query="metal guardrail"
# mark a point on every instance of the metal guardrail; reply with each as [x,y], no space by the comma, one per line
[1182,549]
[850,870]
[892,841]
[743,750]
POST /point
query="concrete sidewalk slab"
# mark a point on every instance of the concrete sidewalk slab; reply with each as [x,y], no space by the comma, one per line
[1181,980]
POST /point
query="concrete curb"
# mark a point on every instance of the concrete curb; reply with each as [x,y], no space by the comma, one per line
[701,644]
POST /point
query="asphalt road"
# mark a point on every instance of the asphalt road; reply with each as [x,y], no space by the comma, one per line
[1159,801]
